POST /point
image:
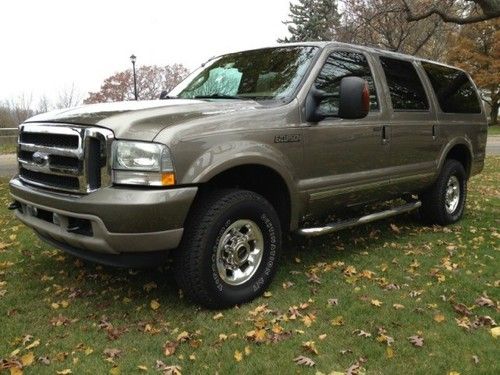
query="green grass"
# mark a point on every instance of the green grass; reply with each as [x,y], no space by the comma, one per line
[447,266]
[9,148]
[494,130]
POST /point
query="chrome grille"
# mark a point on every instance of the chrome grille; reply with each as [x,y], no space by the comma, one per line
[64,157]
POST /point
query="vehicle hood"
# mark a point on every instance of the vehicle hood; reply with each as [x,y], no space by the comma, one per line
[143,120]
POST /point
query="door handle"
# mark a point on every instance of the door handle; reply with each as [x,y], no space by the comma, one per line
[385,135]
[434,132]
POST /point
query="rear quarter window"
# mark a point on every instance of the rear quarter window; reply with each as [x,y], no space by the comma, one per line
[405,87]
[454,89]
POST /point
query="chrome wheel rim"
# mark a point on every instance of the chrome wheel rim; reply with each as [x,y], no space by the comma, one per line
[452,194]
[239,252]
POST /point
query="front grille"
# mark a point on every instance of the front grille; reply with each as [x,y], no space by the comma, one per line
[50,140]
[50,180]
[67,158]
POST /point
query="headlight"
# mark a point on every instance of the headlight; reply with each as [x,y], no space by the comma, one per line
[142,163]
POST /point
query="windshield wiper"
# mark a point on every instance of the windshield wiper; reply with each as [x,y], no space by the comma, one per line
[218,96]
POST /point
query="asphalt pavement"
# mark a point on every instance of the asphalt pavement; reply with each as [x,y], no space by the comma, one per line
[8,165]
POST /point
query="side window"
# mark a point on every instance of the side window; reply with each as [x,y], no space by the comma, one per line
[342,64]
[453,88]
[405,87]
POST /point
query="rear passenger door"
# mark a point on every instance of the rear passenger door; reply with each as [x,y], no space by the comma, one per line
[414,140]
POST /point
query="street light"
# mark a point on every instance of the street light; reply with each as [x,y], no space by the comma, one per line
[133,58]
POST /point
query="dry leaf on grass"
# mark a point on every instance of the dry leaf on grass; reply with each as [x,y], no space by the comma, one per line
[304,361]
[416,340]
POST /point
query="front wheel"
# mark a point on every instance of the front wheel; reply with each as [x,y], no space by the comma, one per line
[444,203]
[230,248]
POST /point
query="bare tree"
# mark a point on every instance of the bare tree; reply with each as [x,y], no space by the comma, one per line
[383,23]
[43,105]
[68,97]
[21,107]
[472,11]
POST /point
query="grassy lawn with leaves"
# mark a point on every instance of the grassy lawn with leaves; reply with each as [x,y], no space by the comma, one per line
[494,130]
[393,297]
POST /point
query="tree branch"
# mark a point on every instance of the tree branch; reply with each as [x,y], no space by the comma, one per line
[412,16]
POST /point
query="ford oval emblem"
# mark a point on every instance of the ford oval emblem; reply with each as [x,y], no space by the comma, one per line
[40,158]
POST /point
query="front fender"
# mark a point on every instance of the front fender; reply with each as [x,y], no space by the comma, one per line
[225,156]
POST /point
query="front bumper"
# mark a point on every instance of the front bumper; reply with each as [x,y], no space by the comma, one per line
[112,220]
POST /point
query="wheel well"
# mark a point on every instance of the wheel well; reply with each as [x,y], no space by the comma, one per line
[461,153]
[261,180]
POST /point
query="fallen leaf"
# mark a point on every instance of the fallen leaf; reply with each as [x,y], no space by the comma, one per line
[27,359]
[439,318]
[170,347]
[475,358]
[389,352]
[64,372]
[495,332]
[337,321]
[112,353]
[416,340]
[304,361]
[376,302]
[238,356]
[361,333]
[398,306]
[155,305]
[395,229]
[34,344]
[310,346]
[332,302]
[485,301]
[268,294]
[218,316]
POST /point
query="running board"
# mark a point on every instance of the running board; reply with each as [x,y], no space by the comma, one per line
[313,232]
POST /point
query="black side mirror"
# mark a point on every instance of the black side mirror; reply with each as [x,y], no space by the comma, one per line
[354,98]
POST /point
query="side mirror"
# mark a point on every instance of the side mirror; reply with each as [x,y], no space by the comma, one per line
[354,98]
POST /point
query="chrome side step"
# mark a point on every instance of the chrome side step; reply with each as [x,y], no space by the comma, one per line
[313,232]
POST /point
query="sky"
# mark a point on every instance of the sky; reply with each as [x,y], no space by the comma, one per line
[49,45]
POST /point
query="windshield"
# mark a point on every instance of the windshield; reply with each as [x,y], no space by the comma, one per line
[270,73]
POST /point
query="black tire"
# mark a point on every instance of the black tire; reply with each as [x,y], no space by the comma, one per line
[195,261]
[434,209]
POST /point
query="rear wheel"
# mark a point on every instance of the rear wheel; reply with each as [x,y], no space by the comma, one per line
[444,203]
[230,248]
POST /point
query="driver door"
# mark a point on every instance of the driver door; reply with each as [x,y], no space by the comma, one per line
[346,160]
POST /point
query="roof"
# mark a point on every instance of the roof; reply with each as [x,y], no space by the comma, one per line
[376,50]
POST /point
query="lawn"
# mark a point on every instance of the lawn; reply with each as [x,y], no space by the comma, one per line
[494,130]
[393,297]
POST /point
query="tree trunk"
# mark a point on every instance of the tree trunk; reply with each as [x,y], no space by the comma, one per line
[494,113]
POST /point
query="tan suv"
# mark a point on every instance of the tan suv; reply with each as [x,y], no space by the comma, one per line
[241,152]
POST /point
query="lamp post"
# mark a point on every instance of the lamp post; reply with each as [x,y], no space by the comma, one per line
[133,58]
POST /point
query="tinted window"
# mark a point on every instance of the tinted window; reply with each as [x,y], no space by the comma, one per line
[453,88]
[339,65]
[407,92]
